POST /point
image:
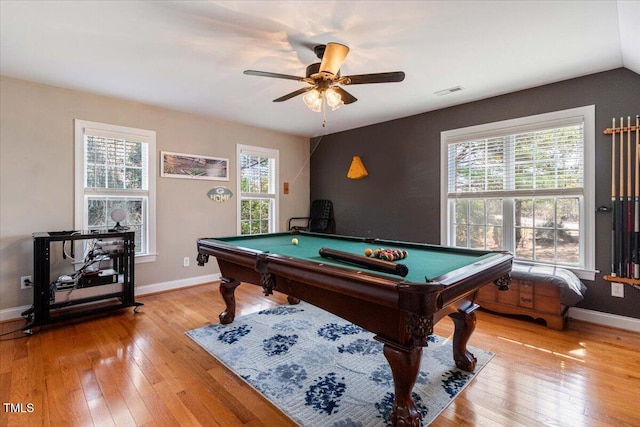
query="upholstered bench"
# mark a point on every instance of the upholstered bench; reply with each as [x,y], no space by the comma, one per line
[539,292]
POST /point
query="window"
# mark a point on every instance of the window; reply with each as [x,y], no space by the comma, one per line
[257,186]
[524,185]
[115,169]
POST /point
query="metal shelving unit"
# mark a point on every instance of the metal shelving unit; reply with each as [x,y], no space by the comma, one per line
[88,289]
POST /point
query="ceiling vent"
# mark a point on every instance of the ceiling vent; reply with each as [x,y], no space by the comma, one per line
[448,91]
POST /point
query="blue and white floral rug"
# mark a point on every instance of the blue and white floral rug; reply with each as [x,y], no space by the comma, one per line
[321,370]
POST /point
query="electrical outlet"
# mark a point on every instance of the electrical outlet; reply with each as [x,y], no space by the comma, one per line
[185,262]
[617,290]
[25,282]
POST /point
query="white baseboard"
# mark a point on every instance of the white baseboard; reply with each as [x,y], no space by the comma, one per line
[16,312]
[12,313]
[176,284]
[605,319]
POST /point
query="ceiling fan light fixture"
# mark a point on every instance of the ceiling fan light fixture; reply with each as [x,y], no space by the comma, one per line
[313,100]
[326,80]
[334,100]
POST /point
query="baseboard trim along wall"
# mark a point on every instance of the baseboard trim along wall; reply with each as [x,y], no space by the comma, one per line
[176,284]
[15,312]
[605,319]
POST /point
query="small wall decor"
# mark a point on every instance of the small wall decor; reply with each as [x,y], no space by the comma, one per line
[219,194]
[357,169]
[190,166]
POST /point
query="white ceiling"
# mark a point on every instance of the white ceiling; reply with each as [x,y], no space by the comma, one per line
[189,55]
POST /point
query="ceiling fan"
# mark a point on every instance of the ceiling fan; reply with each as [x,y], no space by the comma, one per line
[325,80]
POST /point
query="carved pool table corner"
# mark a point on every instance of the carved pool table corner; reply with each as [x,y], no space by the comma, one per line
[503,282]
[202,259]
[419,328]
[268,283]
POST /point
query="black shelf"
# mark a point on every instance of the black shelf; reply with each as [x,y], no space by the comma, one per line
[86,300]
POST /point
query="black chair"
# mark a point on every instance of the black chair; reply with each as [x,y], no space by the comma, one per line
[320,219]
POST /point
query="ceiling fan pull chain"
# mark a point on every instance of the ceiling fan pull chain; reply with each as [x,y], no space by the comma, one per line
[324,109]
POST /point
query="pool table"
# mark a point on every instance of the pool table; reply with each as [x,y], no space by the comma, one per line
[400,310]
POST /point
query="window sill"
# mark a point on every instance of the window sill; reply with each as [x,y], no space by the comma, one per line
[142,258]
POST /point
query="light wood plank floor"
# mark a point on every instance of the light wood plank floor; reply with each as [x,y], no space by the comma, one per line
[140,369]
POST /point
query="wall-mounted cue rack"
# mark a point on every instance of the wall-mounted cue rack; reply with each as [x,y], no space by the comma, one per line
[625,202]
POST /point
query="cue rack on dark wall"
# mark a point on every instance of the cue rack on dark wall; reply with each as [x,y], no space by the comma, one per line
[625,202]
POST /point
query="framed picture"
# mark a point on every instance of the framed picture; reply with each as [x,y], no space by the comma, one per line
[190,166]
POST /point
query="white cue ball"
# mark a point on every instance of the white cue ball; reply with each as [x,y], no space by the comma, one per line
[294,241]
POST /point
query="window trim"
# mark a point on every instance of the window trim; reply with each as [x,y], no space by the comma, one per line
[265,152]
[511,126]
[104,129]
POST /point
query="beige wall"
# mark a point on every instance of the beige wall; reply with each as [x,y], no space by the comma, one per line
[36,177]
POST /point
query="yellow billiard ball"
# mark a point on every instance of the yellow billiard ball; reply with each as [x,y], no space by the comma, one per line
[294,241]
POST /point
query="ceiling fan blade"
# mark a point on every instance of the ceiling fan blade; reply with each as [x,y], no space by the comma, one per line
[275,75]
[295,93]
[360,79]
[347,98]
[334,55]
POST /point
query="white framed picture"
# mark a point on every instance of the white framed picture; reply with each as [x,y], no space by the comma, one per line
[191,166]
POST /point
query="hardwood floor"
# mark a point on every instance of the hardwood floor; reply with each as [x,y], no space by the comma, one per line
[141,369]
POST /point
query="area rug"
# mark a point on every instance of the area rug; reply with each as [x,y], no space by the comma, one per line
[321,370]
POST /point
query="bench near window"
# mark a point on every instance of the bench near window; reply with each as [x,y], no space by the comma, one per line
[539,292]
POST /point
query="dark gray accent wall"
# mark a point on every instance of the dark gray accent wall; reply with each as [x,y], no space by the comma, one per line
[400,199]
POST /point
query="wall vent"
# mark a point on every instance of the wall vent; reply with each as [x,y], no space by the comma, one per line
[448,91]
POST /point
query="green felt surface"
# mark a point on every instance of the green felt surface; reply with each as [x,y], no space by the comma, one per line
[423,262]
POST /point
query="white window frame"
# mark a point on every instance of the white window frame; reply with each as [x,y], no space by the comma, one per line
[587,230]
[83,127]
[263,152]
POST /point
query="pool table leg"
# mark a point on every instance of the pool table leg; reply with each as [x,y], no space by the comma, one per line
[405,366]
[227,291]
[465,324]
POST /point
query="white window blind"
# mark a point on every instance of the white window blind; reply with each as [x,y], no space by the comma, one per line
[116,163]
[520,163]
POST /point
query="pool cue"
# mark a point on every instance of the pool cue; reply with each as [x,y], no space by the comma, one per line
[621,208]
[636,264]
[614,252]
[630,220]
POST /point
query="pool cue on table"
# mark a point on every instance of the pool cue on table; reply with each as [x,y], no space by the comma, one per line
[371,263]
[614,251]
[630,221]
[636,264]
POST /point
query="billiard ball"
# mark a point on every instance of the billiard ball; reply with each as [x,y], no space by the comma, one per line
[294,241]
[368,252]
